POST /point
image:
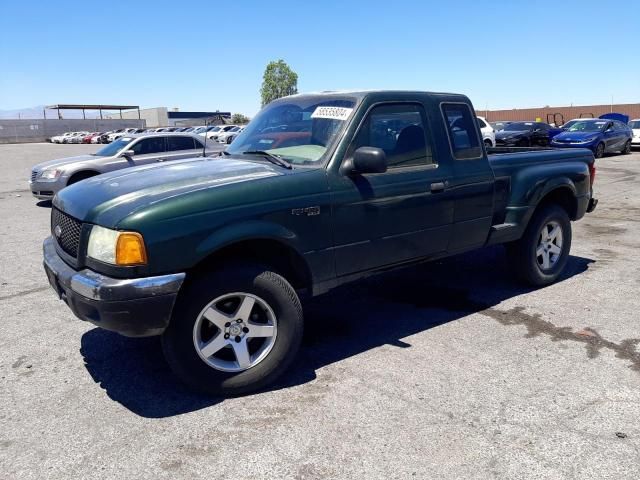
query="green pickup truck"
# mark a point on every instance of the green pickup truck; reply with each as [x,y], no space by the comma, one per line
[319,190]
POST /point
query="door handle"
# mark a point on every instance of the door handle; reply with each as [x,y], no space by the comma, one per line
[439,187]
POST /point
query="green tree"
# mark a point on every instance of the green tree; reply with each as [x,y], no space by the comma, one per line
[278,81]
[239,119]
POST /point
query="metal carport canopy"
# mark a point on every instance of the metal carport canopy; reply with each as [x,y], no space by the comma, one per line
[83,107]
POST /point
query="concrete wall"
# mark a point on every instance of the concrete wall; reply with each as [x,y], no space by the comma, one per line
[28,131]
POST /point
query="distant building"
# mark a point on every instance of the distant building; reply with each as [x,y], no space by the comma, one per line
[559,114]
[163,117]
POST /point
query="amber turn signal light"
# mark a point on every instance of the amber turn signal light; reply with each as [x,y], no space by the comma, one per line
[130,249]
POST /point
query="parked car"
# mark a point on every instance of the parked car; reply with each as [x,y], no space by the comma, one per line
[599,135]
[222,129]
[214,254]
[635,128]
[75,137]
[50,177]
[126,131]
[198,130]
[524,134]
[488,135]
[228,136]
[97,138]
[87,138]
[61,137]
[497,126]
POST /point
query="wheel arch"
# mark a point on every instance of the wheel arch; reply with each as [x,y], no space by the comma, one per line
[270,249]
[562,194]
[81,175]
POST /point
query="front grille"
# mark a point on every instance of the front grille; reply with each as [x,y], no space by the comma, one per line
[68,235]
[34,174]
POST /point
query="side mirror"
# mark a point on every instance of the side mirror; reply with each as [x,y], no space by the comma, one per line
[367,160]
[127,153]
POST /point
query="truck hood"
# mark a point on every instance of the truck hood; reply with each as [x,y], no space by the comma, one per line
[115,195]
[60,162]
[575,136]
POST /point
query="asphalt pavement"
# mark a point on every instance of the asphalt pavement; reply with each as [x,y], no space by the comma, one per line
[449,370]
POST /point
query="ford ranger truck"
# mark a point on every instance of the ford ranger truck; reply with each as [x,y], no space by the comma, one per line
[214,254]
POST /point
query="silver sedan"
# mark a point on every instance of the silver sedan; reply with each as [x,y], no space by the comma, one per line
[48,178]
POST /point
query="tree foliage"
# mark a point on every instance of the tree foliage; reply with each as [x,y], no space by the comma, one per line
[239,119]
[278,81]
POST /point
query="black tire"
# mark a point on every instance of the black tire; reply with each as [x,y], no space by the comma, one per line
[229,139]
[522,256]
[178,338]
[627,148]
[524,143]
[599,153]
[487,143]
[76,177]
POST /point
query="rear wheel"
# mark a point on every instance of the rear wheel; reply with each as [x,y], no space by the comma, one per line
[487,143]
[540,256]
[234,331]
[627,148]
[599,153]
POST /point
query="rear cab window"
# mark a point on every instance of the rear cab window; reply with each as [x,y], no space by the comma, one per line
[462,131]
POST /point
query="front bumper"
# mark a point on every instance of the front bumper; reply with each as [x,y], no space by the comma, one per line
[590,146]
[509,142]
[46,190]
[137,307]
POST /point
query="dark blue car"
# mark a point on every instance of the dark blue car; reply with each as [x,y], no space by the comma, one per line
[599,135]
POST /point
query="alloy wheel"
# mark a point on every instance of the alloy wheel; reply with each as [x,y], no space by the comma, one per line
[235,332]
[549,248]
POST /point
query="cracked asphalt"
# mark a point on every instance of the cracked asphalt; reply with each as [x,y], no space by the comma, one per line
[448,370]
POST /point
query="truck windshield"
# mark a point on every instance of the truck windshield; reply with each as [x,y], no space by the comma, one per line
[519,127]
[299,129]
[588,126]
[114,147]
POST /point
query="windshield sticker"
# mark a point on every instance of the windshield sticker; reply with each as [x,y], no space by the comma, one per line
[332,113]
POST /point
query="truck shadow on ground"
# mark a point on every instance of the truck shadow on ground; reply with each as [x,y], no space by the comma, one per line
[380,311]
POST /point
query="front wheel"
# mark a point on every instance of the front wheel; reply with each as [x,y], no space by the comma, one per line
[599,153]
[234,331]
[627,148]
[540,256]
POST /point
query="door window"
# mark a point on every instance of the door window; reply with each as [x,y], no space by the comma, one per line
[399,130]
[462,130]
[149,145]
[179,143]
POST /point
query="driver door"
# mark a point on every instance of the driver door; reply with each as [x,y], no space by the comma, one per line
[402,214]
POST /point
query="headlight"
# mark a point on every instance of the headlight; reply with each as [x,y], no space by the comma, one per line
[585,140]
[51,174]
[116,248]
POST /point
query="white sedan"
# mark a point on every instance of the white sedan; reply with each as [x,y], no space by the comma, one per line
[488,135]
[228,136]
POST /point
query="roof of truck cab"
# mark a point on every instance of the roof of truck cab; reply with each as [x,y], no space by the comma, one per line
[364,93]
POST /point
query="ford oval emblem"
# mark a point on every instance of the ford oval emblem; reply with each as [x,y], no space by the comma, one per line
[57,231]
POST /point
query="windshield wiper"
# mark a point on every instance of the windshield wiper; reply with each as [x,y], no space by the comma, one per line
[275,159]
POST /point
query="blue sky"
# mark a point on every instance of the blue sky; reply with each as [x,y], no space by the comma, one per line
[202,55]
